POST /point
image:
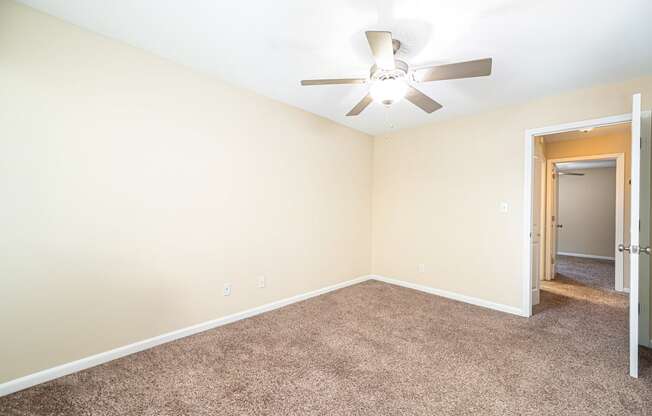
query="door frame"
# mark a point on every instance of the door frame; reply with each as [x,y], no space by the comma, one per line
[541,194]
[530,135]
[619,258]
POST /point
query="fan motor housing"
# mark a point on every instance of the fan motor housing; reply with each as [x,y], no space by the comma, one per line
[400,71]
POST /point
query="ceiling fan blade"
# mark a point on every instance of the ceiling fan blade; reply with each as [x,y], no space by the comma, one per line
[421,100]
[469,69]
[382,49]
[360,106]
[306,82]
[571,173]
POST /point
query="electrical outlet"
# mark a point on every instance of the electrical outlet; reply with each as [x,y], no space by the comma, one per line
[261,281]
[422,268]
[227,289]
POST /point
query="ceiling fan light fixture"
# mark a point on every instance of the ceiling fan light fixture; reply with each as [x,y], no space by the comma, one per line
[388,90]
[388,76]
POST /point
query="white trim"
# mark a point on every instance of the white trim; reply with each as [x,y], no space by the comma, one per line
[549,226]
[540,196]
[577,125]
[103,357]
[526,309]
[536,294]
[587,256]
[619,258]
[451,295]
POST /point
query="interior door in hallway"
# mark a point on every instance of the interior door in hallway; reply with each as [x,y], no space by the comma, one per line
[552,215]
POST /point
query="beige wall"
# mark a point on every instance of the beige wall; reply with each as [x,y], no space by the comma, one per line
[602,144]
[587,210]
[438,188]
[133,188]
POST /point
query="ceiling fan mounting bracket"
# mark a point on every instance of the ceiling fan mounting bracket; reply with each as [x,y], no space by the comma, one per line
[396,45]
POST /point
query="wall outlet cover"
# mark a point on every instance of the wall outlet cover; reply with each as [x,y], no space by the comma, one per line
[227,289]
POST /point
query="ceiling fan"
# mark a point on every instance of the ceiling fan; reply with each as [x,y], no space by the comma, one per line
[570,173]
[389,76]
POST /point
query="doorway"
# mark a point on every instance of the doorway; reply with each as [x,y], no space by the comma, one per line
[635,252]
[585,198]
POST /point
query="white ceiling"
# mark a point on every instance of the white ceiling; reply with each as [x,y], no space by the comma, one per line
[539,47]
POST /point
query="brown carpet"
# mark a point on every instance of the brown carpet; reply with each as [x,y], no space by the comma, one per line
[588,272]
[375,349]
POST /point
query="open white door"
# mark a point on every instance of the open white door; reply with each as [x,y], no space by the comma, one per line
[552,214]
[645,260]
[636,231]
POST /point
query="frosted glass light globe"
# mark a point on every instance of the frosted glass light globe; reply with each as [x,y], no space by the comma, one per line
[388,90]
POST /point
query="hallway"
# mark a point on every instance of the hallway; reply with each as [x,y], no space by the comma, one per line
[582,303]
[588,272]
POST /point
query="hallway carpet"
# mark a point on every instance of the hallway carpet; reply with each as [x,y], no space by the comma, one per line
[376,349]
[589,272]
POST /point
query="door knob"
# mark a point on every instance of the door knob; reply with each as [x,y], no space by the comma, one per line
[621,248]
[645,250]
[560,225]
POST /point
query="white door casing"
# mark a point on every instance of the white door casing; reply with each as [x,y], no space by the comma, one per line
[538,219]
[552,208]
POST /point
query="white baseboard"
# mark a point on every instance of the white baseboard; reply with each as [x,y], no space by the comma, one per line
[586,256]
[103,357]
[452,295]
